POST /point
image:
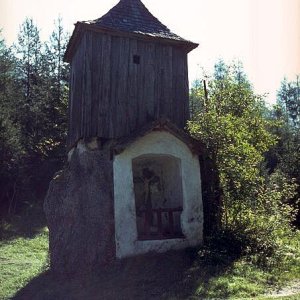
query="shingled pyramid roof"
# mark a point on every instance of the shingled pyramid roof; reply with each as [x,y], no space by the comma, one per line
[133,16]
[129,17]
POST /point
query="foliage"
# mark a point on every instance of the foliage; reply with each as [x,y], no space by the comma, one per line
[288,99]
[265,231]
[230,122]
[58,92]
[43,78]
[33,114]
[230,119]
[11,148]
[287,111]
[285,155]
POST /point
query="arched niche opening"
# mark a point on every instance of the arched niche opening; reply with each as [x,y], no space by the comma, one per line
[158,196]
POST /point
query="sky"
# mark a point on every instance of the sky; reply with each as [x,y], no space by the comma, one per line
[263,34]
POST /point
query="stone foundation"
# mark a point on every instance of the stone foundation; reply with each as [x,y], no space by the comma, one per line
[80,213]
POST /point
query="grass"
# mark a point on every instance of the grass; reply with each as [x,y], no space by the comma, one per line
[23,250]
[21,259]
[189,274]
[241,280]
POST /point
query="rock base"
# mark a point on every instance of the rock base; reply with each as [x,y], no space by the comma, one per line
[80,213]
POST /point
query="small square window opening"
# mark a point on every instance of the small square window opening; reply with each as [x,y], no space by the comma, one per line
[136,59]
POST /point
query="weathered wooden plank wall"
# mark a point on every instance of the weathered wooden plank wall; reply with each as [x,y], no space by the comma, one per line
[111,96]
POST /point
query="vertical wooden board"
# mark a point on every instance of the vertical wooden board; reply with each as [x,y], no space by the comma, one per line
[96,73]
[117,84]
[122,93]
[140,85]
[80,75]
[156,97]
[186,91]
[181,92]
[176,87]
[163,103]
[70,108]
[99,68]
[73,125]
[149,93]
[84,90]
[133,70]
[181,84]
[143,103]
[73,104]
[119,88]
[106,92]
[77,67]
[114,80]
[160,80]
[88,86]
[83,107]
[168,82]
[115,109]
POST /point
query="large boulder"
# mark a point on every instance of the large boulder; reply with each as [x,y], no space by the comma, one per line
[79,212]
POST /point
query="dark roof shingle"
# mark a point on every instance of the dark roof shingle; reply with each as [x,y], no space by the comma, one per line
[133,16]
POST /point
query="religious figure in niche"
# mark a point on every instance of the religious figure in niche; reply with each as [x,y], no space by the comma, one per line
[158,197]
[147,181]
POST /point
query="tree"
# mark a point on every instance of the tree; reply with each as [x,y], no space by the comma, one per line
[288,99]
[44,79]
[28,52]
[56,99]
[11,150]
[285,155]
[33,113]
[231,120]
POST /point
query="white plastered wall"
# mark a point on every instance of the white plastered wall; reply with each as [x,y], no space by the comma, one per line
[162,142]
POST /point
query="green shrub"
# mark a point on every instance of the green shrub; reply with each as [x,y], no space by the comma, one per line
[231,120]
[262,230]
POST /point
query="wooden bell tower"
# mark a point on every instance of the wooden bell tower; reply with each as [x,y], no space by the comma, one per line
[127,69]
[128,107]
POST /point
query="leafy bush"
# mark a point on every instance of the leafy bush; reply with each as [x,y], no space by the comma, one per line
[267,223]
[230,119]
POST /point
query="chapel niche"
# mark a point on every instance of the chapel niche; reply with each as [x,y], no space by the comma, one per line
[158,196]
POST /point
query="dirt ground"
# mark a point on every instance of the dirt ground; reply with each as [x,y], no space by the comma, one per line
[292,288]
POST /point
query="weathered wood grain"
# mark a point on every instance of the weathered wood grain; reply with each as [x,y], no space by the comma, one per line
[111,96]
